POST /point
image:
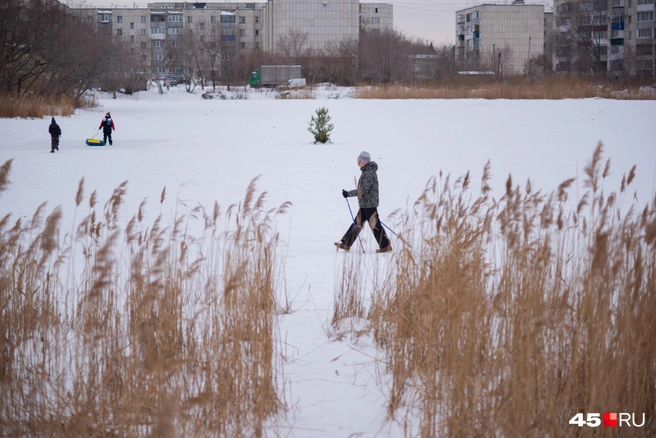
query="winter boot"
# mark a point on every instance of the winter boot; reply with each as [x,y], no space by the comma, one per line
[386,249]
[342,245]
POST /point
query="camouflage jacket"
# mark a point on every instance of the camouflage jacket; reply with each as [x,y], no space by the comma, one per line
[367,191]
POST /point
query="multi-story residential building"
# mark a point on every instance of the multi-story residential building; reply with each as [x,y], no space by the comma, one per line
[316,23]
[164,32]
[604,37]
[376,16]
[500,37]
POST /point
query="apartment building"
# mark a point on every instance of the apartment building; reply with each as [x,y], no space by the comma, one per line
[376,16]
[165,31]
[501,37]
[613,37]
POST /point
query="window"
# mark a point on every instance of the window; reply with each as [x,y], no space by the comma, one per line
[242,32]
[174,31]
[190,19]
[119,19]
[645,16]
[213,19]
[144,57]
[628,18]
[90,19]
[131,25]
[257,20]
[614,33]
[132,38]
[175,18]
[157,30]
[202,38]
[228,19]
[257,32]
[242,20]
[644,33]
[645,2]
[202,26]
[566,8]
[201,51]
[629,37]
[213,45]
[143,32]
[615,49]
[563,51]
[375,20]
[119,32]
[161,69]
[242,45]
[159,43]
[144,45]
[600,35]
[104,18]
[213,32]
[143,18]
[173,44]
[158,56]
[257,45]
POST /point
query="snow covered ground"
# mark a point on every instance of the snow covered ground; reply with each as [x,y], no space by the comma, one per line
[205,150]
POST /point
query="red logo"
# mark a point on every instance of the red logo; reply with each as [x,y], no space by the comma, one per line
[610,419]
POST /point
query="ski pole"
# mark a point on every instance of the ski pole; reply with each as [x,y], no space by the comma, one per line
[355,224]
[392,231]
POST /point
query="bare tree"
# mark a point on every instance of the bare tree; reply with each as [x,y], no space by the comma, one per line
[294,45]
[581,39]
[384,56]
[44,49]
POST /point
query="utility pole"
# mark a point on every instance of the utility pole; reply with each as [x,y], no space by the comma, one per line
[528,64]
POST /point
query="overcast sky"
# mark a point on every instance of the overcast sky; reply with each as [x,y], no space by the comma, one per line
[432,20]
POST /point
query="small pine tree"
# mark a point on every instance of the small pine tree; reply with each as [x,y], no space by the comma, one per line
[320,126]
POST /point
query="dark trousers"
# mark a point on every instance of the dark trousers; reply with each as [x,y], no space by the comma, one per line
[54,143]
[106,135]
[367,215]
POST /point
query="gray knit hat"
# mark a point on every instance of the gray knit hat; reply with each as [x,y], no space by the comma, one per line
[364,156]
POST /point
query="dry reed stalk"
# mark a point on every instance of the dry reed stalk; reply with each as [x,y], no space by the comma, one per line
[39,107]
[510,317]
[513,88]
[166,334]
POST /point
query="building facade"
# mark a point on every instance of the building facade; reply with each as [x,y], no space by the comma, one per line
[376,16]
[613,37]
[500,37]
[166,31]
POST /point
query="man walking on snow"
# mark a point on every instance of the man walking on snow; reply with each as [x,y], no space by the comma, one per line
[367,193]
[107,125]
[55,133]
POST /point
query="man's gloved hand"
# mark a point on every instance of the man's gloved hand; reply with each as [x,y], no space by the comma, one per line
[345,193]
